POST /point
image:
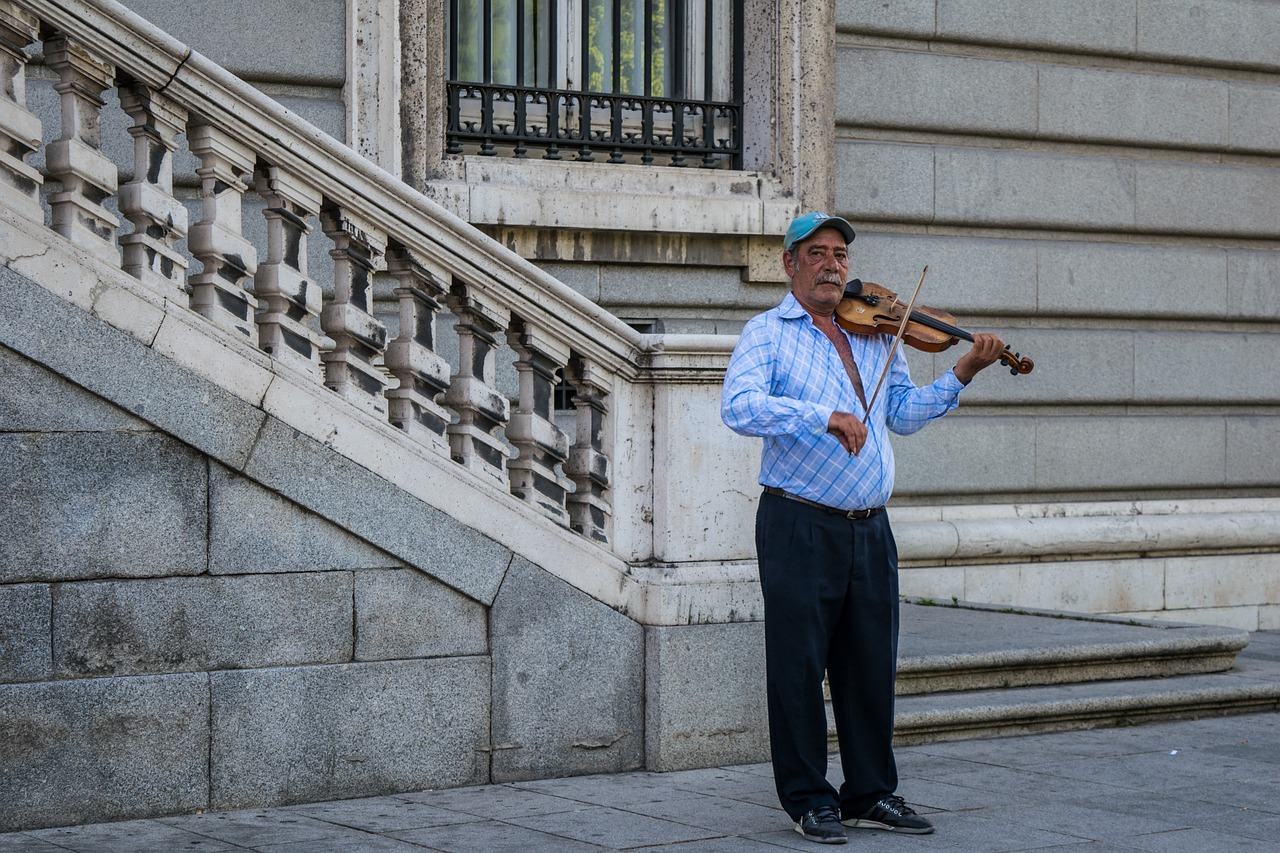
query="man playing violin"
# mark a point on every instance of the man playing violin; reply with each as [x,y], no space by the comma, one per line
[827,556]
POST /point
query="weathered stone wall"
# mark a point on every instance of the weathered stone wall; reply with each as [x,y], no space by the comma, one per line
[183,638]
[178,637]
[182,633]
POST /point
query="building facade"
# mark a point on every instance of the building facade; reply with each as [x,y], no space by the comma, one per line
[308,416]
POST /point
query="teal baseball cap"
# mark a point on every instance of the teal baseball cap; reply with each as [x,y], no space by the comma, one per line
[803,226]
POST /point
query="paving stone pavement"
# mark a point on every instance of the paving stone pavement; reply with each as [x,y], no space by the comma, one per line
[1200,786]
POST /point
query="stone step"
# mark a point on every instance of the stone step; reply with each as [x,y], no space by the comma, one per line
[972,671]
[926,718]
[971,647]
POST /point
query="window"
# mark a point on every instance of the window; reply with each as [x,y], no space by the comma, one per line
[628,81]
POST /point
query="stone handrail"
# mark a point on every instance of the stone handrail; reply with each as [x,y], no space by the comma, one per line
[314,187]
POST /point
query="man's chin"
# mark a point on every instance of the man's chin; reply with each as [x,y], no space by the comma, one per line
[828,301]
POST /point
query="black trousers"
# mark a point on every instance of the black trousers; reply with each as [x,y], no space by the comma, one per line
[831,605]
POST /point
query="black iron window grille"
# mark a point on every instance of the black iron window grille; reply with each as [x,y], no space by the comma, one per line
[654,82]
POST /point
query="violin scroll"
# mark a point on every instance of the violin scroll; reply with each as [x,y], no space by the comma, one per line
[1015,362]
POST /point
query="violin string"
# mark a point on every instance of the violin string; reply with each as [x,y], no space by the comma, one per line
[1008,356]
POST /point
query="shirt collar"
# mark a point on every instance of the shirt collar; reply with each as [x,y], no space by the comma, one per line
[790,308]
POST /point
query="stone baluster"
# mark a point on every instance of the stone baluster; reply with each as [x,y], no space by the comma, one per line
[289,302]
[159,220]
[473,395]
[20,131]
[412,356]
[542,445]
[590,512]
[88,177]
[351,367]
[219,291]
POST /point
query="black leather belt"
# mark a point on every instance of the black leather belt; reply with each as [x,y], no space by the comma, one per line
[853,514]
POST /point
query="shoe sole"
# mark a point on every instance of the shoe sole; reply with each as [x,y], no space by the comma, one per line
[836,840]
[859,823]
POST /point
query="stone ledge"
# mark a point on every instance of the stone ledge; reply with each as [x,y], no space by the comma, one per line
[947,535]
[511,192]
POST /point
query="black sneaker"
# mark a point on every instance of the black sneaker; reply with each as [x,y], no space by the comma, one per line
[822,825]
[891,813]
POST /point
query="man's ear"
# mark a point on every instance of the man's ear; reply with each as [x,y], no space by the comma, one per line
[787,264]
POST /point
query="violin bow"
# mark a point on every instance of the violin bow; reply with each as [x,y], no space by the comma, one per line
[902,327]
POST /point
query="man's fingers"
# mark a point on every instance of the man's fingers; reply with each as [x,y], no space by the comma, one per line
[855,442]
[988,346]
[849,440]
[848,430]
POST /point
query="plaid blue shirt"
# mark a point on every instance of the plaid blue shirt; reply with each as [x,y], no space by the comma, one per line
[784,380]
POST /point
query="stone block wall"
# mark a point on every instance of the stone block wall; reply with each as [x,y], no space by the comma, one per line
[690,664]
[178,637]
[1069,172]
[571,676]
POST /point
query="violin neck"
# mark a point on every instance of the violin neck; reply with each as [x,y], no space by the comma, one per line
[934,323]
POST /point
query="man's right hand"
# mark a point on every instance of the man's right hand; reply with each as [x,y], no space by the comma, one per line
[851,432]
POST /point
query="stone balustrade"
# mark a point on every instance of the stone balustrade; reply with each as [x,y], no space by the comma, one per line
[253,158]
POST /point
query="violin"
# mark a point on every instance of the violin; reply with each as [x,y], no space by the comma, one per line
[868,308]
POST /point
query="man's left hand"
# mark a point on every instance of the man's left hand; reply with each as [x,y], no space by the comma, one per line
[986,351]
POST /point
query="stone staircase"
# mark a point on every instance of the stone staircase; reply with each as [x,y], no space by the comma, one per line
[968,671]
